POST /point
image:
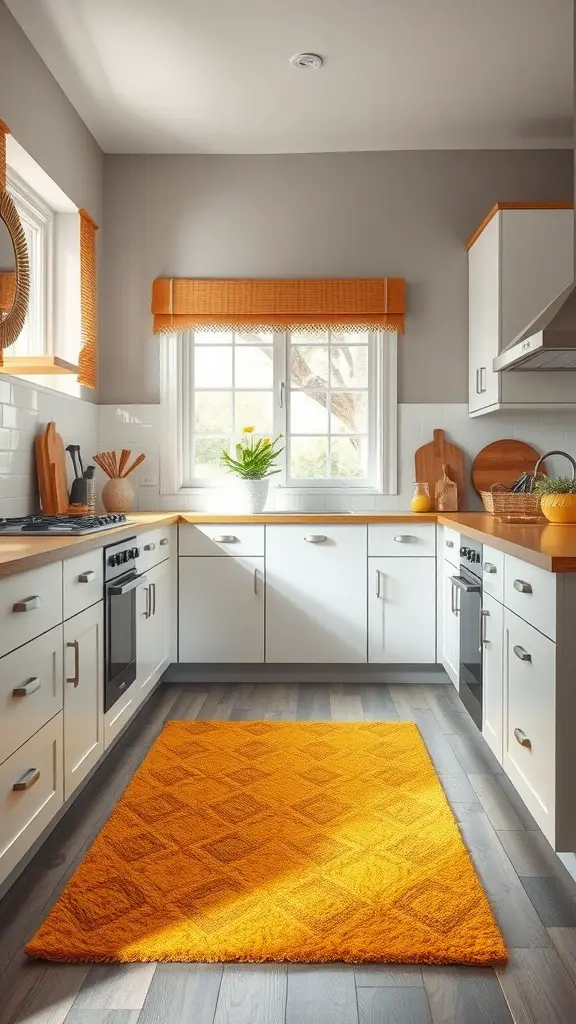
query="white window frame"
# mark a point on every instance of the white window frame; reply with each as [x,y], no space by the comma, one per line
[36,215]
[175,378]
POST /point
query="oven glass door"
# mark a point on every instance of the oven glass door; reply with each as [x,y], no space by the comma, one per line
[120,668]
[470,672]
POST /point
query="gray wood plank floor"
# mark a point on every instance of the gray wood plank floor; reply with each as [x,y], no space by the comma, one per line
[532,895]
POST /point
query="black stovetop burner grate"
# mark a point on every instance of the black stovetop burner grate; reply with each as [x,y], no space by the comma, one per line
[69,524]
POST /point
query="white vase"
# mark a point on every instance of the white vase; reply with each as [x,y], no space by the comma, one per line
[255,494]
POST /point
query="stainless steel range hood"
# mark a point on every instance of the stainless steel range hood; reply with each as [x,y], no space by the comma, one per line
[549,342]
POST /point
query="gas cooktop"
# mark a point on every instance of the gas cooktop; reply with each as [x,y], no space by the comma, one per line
[76,526]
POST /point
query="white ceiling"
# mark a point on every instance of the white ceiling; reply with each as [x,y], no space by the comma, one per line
[213,76]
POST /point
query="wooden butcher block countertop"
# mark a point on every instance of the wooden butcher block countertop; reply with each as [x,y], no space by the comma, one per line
[548,546]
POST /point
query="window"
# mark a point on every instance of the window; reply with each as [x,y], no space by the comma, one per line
[331,394]
[37,221]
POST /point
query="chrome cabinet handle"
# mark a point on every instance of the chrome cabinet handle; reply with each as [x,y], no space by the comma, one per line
[27,605]
[522,587]
[477,387]
[482,389]
[484,616]
[29,779]
[153,589]
[522,738]
[225,538]
[405,538]
[148,611]
[378,583]
[521,653]
[490,568]
[163,542]
[449,543]
[150,547]
[76,677]
[30,686]
[87,577]
[454,599]
[452,607]
[255,581]
[281,392]
[316,538]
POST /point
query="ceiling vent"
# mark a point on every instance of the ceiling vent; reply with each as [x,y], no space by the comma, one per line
[308,61]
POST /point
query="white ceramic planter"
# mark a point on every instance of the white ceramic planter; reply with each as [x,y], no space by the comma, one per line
[255,494]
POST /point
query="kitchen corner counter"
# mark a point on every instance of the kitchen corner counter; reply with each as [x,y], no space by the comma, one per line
[546,545]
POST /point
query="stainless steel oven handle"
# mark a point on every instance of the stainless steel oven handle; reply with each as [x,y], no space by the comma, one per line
[125,588]
[484,615]
[461,584]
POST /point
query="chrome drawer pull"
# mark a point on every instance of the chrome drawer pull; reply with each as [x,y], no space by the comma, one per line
[163,542]
[27,605]
[76,648]
[404,538]
[521,653]
[449,543]
[255,581]
[153,589]
[522,738]
[225,538]
[87,577]
[29,779]
[522,587]
[484,615]
[489,567]
[30,686]
[316,538]
[150,547]
[378,583]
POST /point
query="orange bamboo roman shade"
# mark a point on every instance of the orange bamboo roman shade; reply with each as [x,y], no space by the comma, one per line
[88,357]
[183,304]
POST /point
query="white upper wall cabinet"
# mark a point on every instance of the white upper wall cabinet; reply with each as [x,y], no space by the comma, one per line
[518,264]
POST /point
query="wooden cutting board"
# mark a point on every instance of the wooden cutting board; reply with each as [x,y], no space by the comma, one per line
[428,462]
[502,462]
[51,468]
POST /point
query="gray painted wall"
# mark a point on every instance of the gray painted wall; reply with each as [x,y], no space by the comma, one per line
[43,120]
[347,214]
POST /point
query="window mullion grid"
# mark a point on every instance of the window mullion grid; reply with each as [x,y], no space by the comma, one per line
[281,398]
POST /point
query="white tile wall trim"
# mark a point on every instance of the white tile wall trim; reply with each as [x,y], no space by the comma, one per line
[140,427]
[24,410]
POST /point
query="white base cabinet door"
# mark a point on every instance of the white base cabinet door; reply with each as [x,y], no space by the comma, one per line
[152,629]
[402,610]
[221,609]
[83,695]
[450,633]
[493,675]
[316,593]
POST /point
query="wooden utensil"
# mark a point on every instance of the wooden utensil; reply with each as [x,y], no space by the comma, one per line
[502,462]
[446,496]
[429,460]
[134,465]
[45,477]
[124,456]
[57,460]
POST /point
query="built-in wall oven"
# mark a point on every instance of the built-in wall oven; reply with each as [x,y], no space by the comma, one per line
[121,581]
[467,598]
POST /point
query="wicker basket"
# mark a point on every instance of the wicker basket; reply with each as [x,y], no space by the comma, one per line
[500,502]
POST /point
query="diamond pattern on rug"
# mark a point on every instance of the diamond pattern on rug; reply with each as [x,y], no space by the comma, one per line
[255,841]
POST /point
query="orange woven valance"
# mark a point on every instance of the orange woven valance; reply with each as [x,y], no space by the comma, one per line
[182,304]
[88,358]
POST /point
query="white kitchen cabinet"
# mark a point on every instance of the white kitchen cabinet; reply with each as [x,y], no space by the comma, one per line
[450,632]
[30,604]
[316,593]
[152,629]
[30,689]
[530,719]
[221,609]
[492,675]
[30,793]
[402,610]
[83,695]
[517,265]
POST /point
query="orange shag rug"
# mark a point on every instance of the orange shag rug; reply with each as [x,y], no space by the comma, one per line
[295,841]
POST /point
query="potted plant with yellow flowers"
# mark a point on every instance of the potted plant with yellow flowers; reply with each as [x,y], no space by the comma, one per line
[254,464]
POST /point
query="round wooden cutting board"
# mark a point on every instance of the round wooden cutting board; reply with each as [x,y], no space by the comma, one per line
[502,462]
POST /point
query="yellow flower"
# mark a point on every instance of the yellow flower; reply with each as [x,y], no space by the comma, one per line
[247,430]
[266,441]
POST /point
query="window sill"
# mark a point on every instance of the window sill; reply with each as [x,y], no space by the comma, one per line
[35,365]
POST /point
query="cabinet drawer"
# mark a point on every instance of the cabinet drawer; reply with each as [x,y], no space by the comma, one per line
[25,812]
[450,546]
[402,539]
[155,546]
[221,539]
[493,573]
[83,578]
[119,714]
[30,689]
[531,593]
[30,604]
[529,742]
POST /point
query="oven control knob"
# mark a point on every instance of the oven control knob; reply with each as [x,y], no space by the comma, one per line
[136,552]
[464,552]
[111,560]
[118,559]
[477,557]
[124,556]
